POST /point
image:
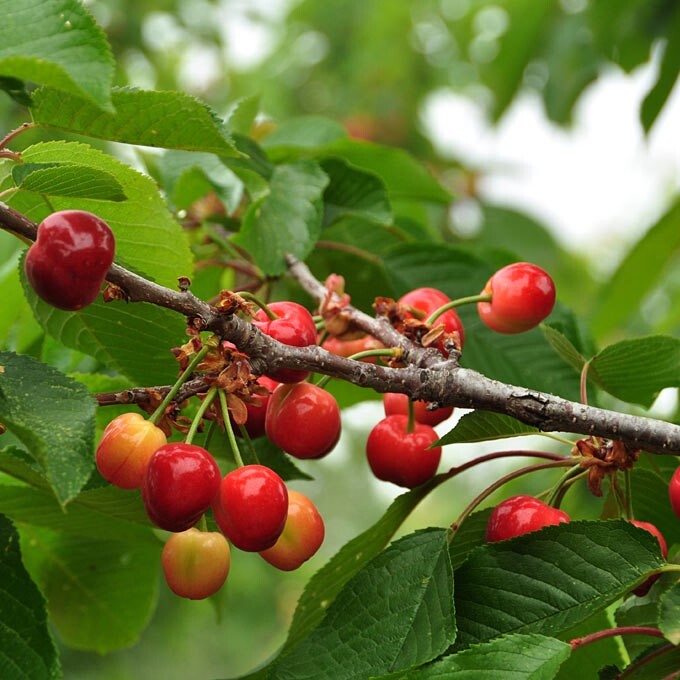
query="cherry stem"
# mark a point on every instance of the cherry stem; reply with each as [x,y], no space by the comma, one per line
[577,643]
[556,437]
[197,358]
[249,443]
[549,455]
[202,524]
[584,382]
[14,133]
[12,155]
[230,430]
[411,424]
[482,297]
[628,491]
[383,352]
[199,414]
[247,295]
[499,483]
[557,488]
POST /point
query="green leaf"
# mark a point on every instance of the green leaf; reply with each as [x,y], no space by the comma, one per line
[303,132]
[563,346]
[63,48]
[16,89]
[242,114]
[26,646]
[550,580]
[54,418]
[171,120]
[637,275]
[648,487]
[148,240]
[469,536]
[273,457]
[480,426]
[18,463]
[396,613]
[288,220]
[100,593]
[637,370]
[66,179]
[669,620]
[354,193]
[511,657]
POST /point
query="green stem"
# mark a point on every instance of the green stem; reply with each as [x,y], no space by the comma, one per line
[394,352]
[230,430]
[482,297]
[202,523]
[555,491]
[198,357]
[556,437]
[246,295]
[249,443]
[628,490]
[411,424]
[584,382]
[199,414]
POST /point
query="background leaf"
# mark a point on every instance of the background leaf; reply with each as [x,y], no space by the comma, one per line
[669,621]
[480,426]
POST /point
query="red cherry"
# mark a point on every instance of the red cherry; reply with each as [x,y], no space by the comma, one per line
[395,403]
[196,563]
[257,412]
[402,457]
[251,507]
[428,300]
[295,326]
[126,446]
[522,296]
[520,515]
[181,482]
[302,535]
[346,348]
[643,588]
[303,420]
[674,491]
[68,262]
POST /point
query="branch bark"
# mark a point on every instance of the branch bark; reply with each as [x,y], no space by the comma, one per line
[427,375]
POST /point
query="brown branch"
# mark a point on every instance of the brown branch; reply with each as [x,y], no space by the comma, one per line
[576,643]
[426,376]
[140,395]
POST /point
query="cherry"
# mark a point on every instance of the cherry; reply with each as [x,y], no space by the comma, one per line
[126,446]
[424,301]
[346,348]
[196,563]
[395,403]
[644,587]
[68,262]
[401,457]
[674,491]
[181,482]
[294,326]
[303,420]
[251,507]
[257,412]
[520,515]
[302,535]
[522,296]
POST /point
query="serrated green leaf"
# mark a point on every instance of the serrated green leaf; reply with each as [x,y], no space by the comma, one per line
[480,426]
[395,613]
[288,220]
[100,593]
[64,48]
[303,132]
[471,535]
[26,646]
[637,370]
[669,614]
[242,114]
[512,657]
[648,487]
[18,463]
[16,89]
[148,240]
[548,581]
[563,346]
[638,611]
[170,120]
[66,179]
[53,416]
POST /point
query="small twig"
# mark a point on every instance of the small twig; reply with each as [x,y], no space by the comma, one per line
[577,643]
[14,133]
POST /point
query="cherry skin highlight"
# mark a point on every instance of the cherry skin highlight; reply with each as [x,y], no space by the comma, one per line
[251,507]
[196,563]
[295,326]
[181,483]
[67,264]
[303,420]
[401,457]
[125,449]
[302,535]
[395,403]
[520,515]
[522,296]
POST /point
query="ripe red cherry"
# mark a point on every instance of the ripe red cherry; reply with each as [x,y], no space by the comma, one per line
[68,262]
[294,326]
[643,588]
[520,515]
[522,296]
[402,457]
[257,413]
[126,446]
[395,403]
[302,536]
[251,507]
[674,491]
[346,348]
[181,482]
[428,300]
[303,420]
[196,563]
